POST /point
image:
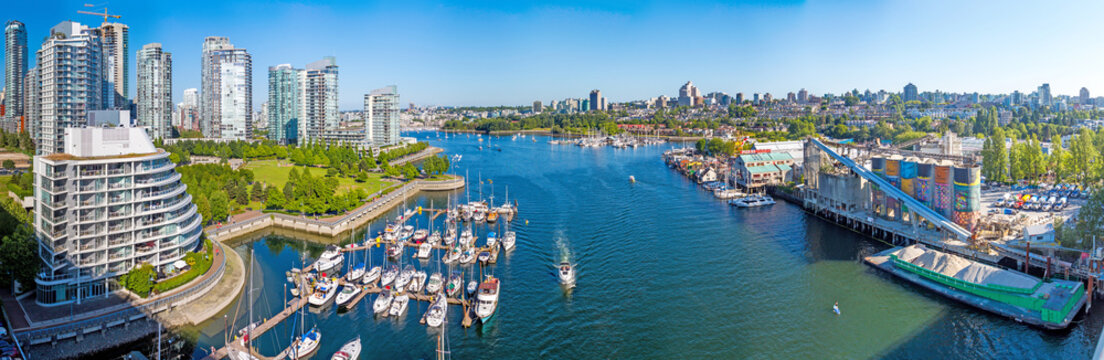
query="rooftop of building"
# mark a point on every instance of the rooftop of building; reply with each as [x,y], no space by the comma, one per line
[771,156]
[99,143]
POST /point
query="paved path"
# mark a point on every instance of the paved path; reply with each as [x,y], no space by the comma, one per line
[216,299]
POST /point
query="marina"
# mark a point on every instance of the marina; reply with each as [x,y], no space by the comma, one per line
[800,269]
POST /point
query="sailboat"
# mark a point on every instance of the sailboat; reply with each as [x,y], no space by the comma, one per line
[435,316]
[373,273]
[307,343]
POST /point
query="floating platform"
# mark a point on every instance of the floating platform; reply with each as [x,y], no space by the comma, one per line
[1050,304]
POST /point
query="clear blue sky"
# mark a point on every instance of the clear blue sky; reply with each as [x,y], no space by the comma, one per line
[510,52]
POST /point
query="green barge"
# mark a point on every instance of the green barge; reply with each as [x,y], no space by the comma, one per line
[1050,304]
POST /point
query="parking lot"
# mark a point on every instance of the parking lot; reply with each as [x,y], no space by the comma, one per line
[990,197]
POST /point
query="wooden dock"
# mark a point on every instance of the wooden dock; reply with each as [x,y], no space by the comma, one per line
[293,306]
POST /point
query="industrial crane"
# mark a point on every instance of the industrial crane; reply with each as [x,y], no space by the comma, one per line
[104,13]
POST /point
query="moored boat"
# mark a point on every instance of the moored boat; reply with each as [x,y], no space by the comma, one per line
[306,344]
[349,351]
[455,284]
[420,235]
[383,302]
[509,240]
[435,316]
[348,292]
[1050,303]
[389,275]
[323,292]
[417,282]
[424,250]
[434,284]
[398,305]
[487,299]
[371,276]
[329,259]
[492,239]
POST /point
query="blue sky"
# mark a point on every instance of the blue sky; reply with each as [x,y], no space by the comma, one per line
[513,52]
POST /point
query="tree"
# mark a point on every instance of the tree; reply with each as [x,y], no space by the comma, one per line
[220,206]
[258,193]
[139,280]
[1083,155]
[275,199]
[8,164]
[362,176]
[409,171]
[19,259]
[203,207]
[1090,219]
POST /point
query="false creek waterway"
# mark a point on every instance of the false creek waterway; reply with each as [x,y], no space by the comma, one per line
[664,271]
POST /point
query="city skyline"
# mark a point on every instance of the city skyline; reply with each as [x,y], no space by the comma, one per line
[510,54]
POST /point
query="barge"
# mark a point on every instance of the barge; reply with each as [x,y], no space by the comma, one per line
[1050,304]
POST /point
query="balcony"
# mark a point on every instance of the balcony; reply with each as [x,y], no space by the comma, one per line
[118,240]
[118,255]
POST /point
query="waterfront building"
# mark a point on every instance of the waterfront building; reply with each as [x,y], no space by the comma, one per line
[116,59]
[15,71]
[226,99]
[283,104]
[911,93]
[71,77]
[761,169]
[108,202]
[595,100]
[318,111]
[155,90]
[381,116]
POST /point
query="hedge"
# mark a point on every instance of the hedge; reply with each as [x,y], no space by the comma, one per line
[199,263]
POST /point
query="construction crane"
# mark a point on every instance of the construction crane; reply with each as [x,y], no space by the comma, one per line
[104,13]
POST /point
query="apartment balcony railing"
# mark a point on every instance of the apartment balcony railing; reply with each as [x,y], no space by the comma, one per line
[118,240]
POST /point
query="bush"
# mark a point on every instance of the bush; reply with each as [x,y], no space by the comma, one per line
[139,280]
[200,262]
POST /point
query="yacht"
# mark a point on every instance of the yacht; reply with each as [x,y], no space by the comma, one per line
[472,286]
[466,238]
[389,275]
[435,316]
[492,216]
[329,259]
[566,274]
[349,351]
[455,281]
[348,292]
[398,305]
[467,257]
[371,276]
[434,284]
[406,233]
[355,273]
[492,239]
[420,235]
[508,240]
[424,250]
[752,201]
[417,282]
[323,293]
[452,255]
[478,216]
[383,302]
[307,344]
[404,277]
[484,257]
[450,235]
[396,249]
[434,239]
[487,299]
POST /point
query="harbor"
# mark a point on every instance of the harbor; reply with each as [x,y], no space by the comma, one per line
[801,269]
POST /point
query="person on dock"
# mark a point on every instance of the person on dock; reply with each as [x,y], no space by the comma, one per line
[835,308]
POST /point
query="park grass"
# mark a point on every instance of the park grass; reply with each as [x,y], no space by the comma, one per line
[270,172]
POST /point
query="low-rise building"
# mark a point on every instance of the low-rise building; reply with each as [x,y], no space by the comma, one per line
[761,169]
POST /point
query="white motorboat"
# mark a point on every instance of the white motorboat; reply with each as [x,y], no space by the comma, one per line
[355,273]
[566,274]
[486,300]
[467,257]
[435,316]
[348,292]
[484,257]
[466,238]
[450,236]
[492,239]
[406,233]
[434,239]
[395,250]
[389,275]
[451,256]
[306,345]
[455,283]
[509,240]
[398,305]
[424,250]
[323,293]
[434,284]
[371,276]
[479,216]
[383,302]
[752,201]
[472,286]
[420,235]
[404,277]
[329,259]
[349,351]
[417,282]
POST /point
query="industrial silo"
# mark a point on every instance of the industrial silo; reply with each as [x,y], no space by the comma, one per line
[908,176]
[967,195]
[941,188]
[925,170]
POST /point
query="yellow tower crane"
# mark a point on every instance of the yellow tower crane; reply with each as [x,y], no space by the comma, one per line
[104,13]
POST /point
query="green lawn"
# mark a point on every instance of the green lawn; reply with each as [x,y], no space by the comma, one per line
[269,172]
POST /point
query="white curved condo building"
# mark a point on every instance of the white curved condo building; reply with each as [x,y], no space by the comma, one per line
[110,202]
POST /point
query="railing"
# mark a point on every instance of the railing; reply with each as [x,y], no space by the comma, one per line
[120,312]
[118,240]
